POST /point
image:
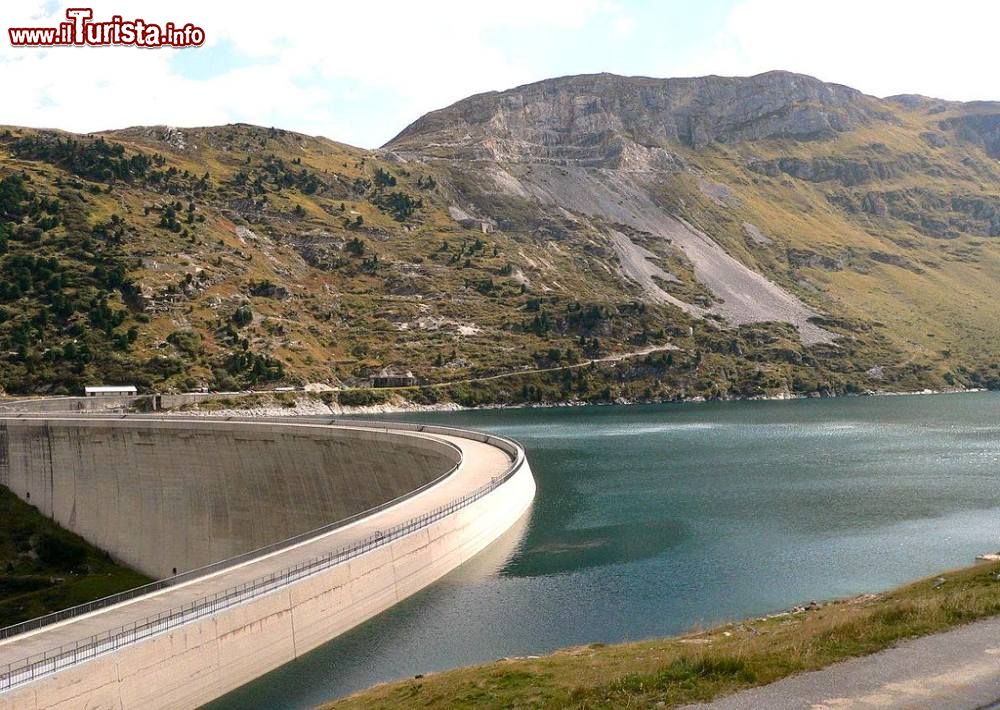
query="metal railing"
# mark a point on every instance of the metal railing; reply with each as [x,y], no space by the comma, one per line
[29,668]
[174,580]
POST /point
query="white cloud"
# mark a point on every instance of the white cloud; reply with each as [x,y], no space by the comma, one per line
[622,27]
[357,72]
[883,48]
[416,56]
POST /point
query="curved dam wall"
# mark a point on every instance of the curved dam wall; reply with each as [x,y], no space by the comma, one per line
[183,649]
[170,496]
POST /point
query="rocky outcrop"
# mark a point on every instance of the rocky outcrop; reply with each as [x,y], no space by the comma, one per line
[799,258]
[603,120]
[320,249]
[980,128]
[932,213]
[848,172]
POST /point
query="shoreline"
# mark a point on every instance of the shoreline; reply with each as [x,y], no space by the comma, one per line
[308,404]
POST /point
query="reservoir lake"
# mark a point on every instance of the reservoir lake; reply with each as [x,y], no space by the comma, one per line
[650,520]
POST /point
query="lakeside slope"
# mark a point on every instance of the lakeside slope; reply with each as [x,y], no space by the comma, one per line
[705,665]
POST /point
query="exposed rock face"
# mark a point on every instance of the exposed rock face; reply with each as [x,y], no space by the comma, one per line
[846,172]
[756,235]
[320,249]
[981,128]
[805,257]
[933,214]
[611,121]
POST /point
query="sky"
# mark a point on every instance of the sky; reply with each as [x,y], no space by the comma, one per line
[360,72]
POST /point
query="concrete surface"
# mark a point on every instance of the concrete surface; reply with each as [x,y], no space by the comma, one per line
[176,495]
[191,664]
[956,670]
[141,402]
[66,404]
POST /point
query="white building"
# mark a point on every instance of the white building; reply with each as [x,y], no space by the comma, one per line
[111,391]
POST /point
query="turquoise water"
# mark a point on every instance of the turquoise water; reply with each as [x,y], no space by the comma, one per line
[652,519]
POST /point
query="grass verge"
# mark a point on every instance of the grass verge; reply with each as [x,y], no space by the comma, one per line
[706,664]
[44,568]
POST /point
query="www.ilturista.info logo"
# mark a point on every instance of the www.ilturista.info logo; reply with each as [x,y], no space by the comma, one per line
[81,31]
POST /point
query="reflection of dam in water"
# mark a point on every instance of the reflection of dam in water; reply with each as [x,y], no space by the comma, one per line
[575,550]
[168,495]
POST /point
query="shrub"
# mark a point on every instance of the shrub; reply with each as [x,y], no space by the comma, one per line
[60,552]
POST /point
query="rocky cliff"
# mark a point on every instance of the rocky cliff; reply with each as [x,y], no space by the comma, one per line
[600,120]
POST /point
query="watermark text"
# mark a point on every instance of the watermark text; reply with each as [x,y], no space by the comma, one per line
[80,30]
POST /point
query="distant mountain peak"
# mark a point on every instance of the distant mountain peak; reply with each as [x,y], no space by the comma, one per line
[586,119]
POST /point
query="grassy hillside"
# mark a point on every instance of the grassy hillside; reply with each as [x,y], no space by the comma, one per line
[45,568]
[239,256]
[706,664]
[880,215]
[897,225]
[244,256]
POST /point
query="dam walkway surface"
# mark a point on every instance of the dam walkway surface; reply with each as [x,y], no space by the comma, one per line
[480,464]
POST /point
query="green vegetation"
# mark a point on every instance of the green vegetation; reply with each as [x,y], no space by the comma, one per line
[44,568]
[703,665]
[63,298]
[400,205]
[274,175]
[93,159]
[264,257]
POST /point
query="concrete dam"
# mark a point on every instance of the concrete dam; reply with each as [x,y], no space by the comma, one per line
[270,537]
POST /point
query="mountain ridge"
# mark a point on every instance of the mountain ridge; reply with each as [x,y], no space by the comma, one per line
[784,119]
[786,235]
[689,111]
